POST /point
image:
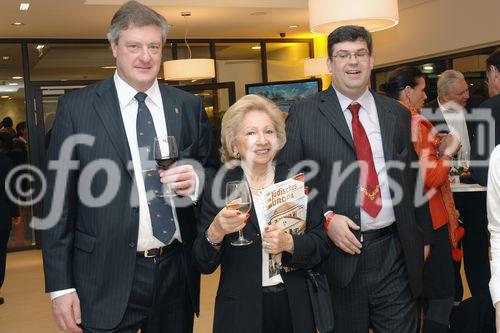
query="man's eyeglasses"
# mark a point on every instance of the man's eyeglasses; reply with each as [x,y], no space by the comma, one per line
[361,55]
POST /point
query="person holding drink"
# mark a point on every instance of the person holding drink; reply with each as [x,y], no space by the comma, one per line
[407,85]
[251,296]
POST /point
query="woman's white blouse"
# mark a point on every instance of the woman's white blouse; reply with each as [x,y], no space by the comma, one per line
[493,204]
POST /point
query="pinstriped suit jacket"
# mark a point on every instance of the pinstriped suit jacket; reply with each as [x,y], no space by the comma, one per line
[94,249]
[317,131]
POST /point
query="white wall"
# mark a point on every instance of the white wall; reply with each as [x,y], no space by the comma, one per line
[438,27]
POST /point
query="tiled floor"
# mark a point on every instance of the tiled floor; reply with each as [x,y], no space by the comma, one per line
[27,307]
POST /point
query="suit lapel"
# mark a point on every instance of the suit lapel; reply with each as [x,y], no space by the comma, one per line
[330,107]
[387,122]
[107,108]
[173,114]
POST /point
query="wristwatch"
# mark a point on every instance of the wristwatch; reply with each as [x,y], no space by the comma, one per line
[208,240]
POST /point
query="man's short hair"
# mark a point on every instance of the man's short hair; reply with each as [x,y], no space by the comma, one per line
[133,13]
[349,33]
[493,60]
[446,79]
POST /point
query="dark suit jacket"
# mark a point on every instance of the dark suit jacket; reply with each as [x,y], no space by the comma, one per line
[318,131]
[8,208]
[94,249]
[238,306]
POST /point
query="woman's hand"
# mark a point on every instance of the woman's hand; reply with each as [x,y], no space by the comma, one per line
[275,240]
[452,144]
[226,222]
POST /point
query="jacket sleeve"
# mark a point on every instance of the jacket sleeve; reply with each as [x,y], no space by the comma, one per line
[311,247]
[206,257]
[58,236]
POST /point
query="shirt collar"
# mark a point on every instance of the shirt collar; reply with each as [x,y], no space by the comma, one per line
[450,106]
[126,93]
[345,101]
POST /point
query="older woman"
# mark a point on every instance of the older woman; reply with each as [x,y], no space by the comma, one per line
[250,298]
[407,84]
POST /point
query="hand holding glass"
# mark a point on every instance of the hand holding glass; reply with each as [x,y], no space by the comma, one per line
[165,154]
[238,198]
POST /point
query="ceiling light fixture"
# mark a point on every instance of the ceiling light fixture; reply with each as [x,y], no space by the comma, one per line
[24,6]
[108,67]
[188,69]
[5,58]
[293,26]
[327,15]
[17,77]
[4,96]
[255,47]
[17,24]
[13,84]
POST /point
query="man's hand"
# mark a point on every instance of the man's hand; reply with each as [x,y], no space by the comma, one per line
[180,179]
[275,240]
[497,316]
[339,231]
[66,311]
[427,251]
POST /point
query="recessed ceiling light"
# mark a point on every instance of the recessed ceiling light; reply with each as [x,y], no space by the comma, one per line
[258,13]
[4,96]
[13,84]
[39,47]
[293,26]
[17,23]
[17,77]
[108,67]
[5,58]
[255,47]
[24,6]
[471,84]
[428,68]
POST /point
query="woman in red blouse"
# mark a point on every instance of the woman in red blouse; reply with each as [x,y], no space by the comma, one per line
[407,84]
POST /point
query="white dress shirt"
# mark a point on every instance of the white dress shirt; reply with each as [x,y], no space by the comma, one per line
[369,119]
[128,108]
[493,204]
[454,115]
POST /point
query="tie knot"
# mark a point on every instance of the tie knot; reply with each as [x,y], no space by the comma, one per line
[354,108]
[141,97]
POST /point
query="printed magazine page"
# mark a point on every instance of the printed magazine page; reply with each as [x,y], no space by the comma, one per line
[285,205]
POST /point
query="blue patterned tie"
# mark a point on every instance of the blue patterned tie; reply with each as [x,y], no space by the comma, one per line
[162,219]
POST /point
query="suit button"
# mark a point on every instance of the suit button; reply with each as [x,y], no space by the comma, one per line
[131,244]
[356,217]
[135,209]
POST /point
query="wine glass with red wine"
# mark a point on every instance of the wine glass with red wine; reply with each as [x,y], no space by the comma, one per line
[238,198]
[166,154]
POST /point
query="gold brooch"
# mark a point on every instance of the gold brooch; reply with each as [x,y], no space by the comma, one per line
[371,195]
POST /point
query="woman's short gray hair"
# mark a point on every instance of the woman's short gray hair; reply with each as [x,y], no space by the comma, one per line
[446,79]
[234,116]
[133,13]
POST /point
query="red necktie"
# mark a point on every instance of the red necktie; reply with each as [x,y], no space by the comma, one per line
[371,198]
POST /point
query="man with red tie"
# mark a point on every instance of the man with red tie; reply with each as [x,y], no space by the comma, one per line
[362,145]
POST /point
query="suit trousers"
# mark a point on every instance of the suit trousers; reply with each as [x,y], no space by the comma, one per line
[379,294]
[276,316]
[4,240]
[159,300]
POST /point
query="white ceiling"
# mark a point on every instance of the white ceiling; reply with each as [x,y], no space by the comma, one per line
[210,18]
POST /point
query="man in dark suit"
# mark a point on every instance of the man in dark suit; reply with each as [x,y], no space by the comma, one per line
[116,254]
[454,111]
[362,144]
[8,208]
[493,103]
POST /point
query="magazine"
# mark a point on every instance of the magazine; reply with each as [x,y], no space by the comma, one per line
[285,205]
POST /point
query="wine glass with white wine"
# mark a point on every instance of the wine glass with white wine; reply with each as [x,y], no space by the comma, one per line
[238,198]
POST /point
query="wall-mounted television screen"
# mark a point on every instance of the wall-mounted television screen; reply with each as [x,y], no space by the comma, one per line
[285,93]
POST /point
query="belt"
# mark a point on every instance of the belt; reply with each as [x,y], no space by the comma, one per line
[159,251]
[375,234]
[274,289]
